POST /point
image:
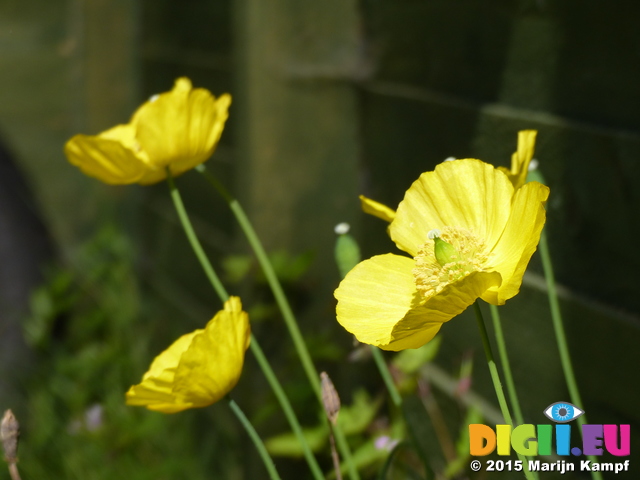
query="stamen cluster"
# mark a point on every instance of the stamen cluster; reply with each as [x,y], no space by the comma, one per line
[431,277]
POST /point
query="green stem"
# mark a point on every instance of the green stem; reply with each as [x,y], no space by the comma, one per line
[286,407]
[271,277]
[506,369]
[506,365]
[386,376]
[254,345]
[563,348]
[268,462]
[397,401]
[285,308]
[495,377]
[193,240]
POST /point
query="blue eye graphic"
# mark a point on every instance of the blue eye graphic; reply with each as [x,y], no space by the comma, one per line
[562,412]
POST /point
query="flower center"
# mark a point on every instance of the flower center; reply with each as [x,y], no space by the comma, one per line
[449,255]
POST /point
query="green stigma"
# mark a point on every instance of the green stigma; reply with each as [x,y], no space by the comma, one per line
[445,252]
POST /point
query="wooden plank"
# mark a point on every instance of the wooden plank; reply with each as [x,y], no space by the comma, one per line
[297,135]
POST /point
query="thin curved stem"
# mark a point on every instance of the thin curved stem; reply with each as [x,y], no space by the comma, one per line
[506,369]
[495,377]
[558,327]
[383,368]
[268,462]
[506,365]
[193,240]
[272,279]
[283,305]
[286,408]
[254,345]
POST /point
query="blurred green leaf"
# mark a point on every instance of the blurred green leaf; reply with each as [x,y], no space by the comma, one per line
[287,444]
[289,267]
[410,360]
[236,267]
[38,325]
[364,456]
[355,418]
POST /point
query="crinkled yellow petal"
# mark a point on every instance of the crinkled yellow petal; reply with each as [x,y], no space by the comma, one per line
[199,368]
[377,209]
[421,324]
[180,128]
[512,253]
[375,295]
[466,193]
[113,156]
[379,304]
[156,389]
[521,158]
[212,365]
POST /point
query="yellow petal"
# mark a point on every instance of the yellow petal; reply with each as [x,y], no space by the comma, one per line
[199,368]
[512,253]
[375,295]
[153,176]
[113,156]
[466,193]
[156,389]
[180,128]
[147,395]
[377,209]
[212,365]
[379,304]
[521,158]
[422,323]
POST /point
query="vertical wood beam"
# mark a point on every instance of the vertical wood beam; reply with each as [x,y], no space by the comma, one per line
[298,135]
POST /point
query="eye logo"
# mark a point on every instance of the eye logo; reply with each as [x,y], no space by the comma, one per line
[562,412]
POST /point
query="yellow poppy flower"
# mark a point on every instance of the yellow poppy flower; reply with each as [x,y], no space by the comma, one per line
[469,235]
[179,129]
[199,368]
[521,159]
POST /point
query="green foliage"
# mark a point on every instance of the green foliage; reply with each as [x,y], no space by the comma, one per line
[371,455]
[86,328]
[287,444]
[410,360]
[289,268]
[463,457]
[354,420]
[396,469]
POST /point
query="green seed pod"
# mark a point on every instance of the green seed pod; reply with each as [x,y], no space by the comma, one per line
[445,252]
[347,253]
